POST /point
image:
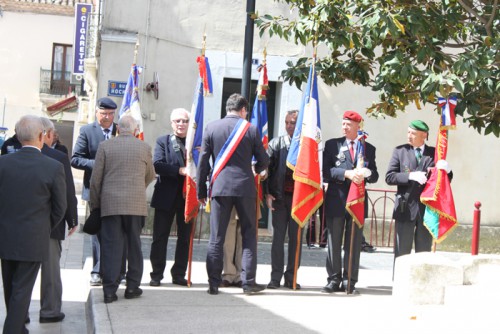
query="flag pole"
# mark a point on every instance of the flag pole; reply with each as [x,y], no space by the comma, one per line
[297,254]
[136,50]
[190,255]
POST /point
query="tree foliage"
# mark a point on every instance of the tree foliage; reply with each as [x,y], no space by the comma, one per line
[408,51]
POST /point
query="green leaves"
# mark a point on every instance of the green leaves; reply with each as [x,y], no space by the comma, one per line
[406,51]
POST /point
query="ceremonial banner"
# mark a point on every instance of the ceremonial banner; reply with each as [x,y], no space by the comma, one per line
[306,154]
[194,136]
[440,216]
[355,203]
[130,103]
[259,117]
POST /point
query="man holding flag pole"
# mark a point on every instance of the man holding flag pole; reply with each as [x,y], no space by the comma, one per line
[347,162]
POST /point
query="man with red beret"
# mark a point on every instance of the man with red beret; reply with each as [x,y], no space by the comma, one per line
[339,162]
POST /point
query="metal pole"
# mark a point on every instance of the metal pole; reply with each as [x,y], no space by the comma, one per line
[3,115]
[247,51]
[475,229]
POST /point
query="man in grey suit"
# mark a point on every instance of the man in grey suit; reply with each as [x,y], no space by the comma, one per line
[51,285]
[91,135]
[33,197]
[408,170]
[230,143]
[122,171]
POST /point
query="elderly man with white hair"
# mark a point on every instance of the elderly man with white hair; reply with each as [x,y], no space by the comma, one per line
[122,171]
[168,201]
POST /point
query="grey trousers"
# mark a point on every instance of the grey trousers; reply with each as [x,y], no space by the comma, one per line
[409,232]
[50,284]
[231,271]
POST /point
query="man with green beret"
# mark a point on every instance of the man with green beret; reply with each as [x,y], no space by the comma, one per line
[408,170]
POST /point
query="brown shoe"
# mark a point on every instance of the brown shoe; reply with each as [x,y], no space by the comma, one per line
[225,284]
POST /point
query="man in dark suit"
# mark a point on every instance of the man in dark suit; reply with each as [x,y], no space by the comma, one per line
[51,285]
[91,135]
[408,170]
[123,169]
[231,184]
[33,197]
[339,162]
[168,201]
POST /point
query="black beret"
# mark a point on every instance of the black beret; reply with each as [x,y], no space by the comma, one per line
[106,103]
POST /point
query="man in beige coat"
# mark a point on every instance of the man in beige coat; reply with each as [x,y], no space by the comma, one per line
[122,171]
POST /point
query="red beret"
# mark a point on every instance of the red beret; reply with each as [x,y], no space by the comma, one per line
[353,116]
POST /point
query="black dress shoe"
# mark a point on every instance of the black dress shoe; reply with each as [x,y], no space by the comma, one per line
[110,298]
[251,289]
[352,289]
[289,285]
[331,287]
[133,293]
[238,284]
[58,318]
[154,282]
[273,285]
[213,290]
[180,281]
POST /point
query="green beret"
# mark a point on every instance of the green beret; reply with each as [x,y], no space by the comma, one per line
[419,125]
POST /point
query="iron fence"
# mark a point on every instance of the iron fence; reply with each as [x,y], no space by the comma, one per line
[57,83]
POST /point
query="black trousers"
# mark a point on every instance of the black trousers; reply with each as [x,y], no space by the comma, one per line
[220,214]
[339,229]
[162,225]
[18,280]
[115,232]
[282,221]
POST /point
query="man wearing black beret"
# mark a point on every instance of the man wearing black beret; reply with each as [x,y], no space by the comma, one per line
[91,135]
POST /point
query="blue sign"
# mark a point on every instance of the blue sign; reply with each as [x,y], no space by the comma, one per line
[116,88]
[82,19]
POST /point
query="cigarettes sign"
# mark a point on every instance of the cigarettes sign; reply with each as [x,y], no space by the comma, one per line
[82,20]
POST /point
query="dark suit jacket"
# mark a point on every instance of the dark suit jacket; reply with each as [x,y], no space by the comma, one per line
[86,148]
[236,178]
[336,160]
[403,161]
[169,183]
[32,200]
[71,216]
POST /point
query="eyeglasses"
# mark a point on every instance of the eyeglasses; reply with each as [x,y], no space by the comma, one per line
[179,121]
[107,114]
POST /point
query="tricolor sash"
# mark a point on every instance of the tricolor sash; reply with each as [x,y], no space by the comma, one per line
[229,147]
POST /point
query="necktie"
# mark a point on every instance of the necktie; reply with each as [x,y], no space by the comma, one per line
[106,134]
[418,154]
[351,150]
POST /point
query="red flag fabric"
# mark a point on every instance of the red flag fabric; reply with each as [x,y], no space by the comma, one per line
[440,216]
[355,203]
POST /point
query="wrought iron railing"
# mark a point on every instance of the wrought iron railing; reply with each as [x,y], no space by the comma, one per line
[379,225]
[57,83]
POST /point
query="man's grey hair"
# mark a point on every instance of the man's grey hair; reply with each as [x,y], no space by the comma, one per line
[174,114]
[127,124]
[292,112]
[28,128]
[48,125]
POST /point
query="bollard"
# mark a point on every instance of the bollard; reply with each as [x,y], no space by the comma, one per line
[475,229]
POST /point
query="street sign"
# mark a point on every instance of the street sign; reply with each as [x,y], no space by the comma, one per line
[116,88]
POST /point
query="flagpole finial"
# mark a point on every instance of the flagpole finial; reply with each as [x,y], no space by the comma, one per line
[204,44]
[136,50]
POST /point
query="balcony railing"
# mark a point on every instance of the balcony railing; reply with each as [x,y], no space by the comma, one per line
[57,83]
